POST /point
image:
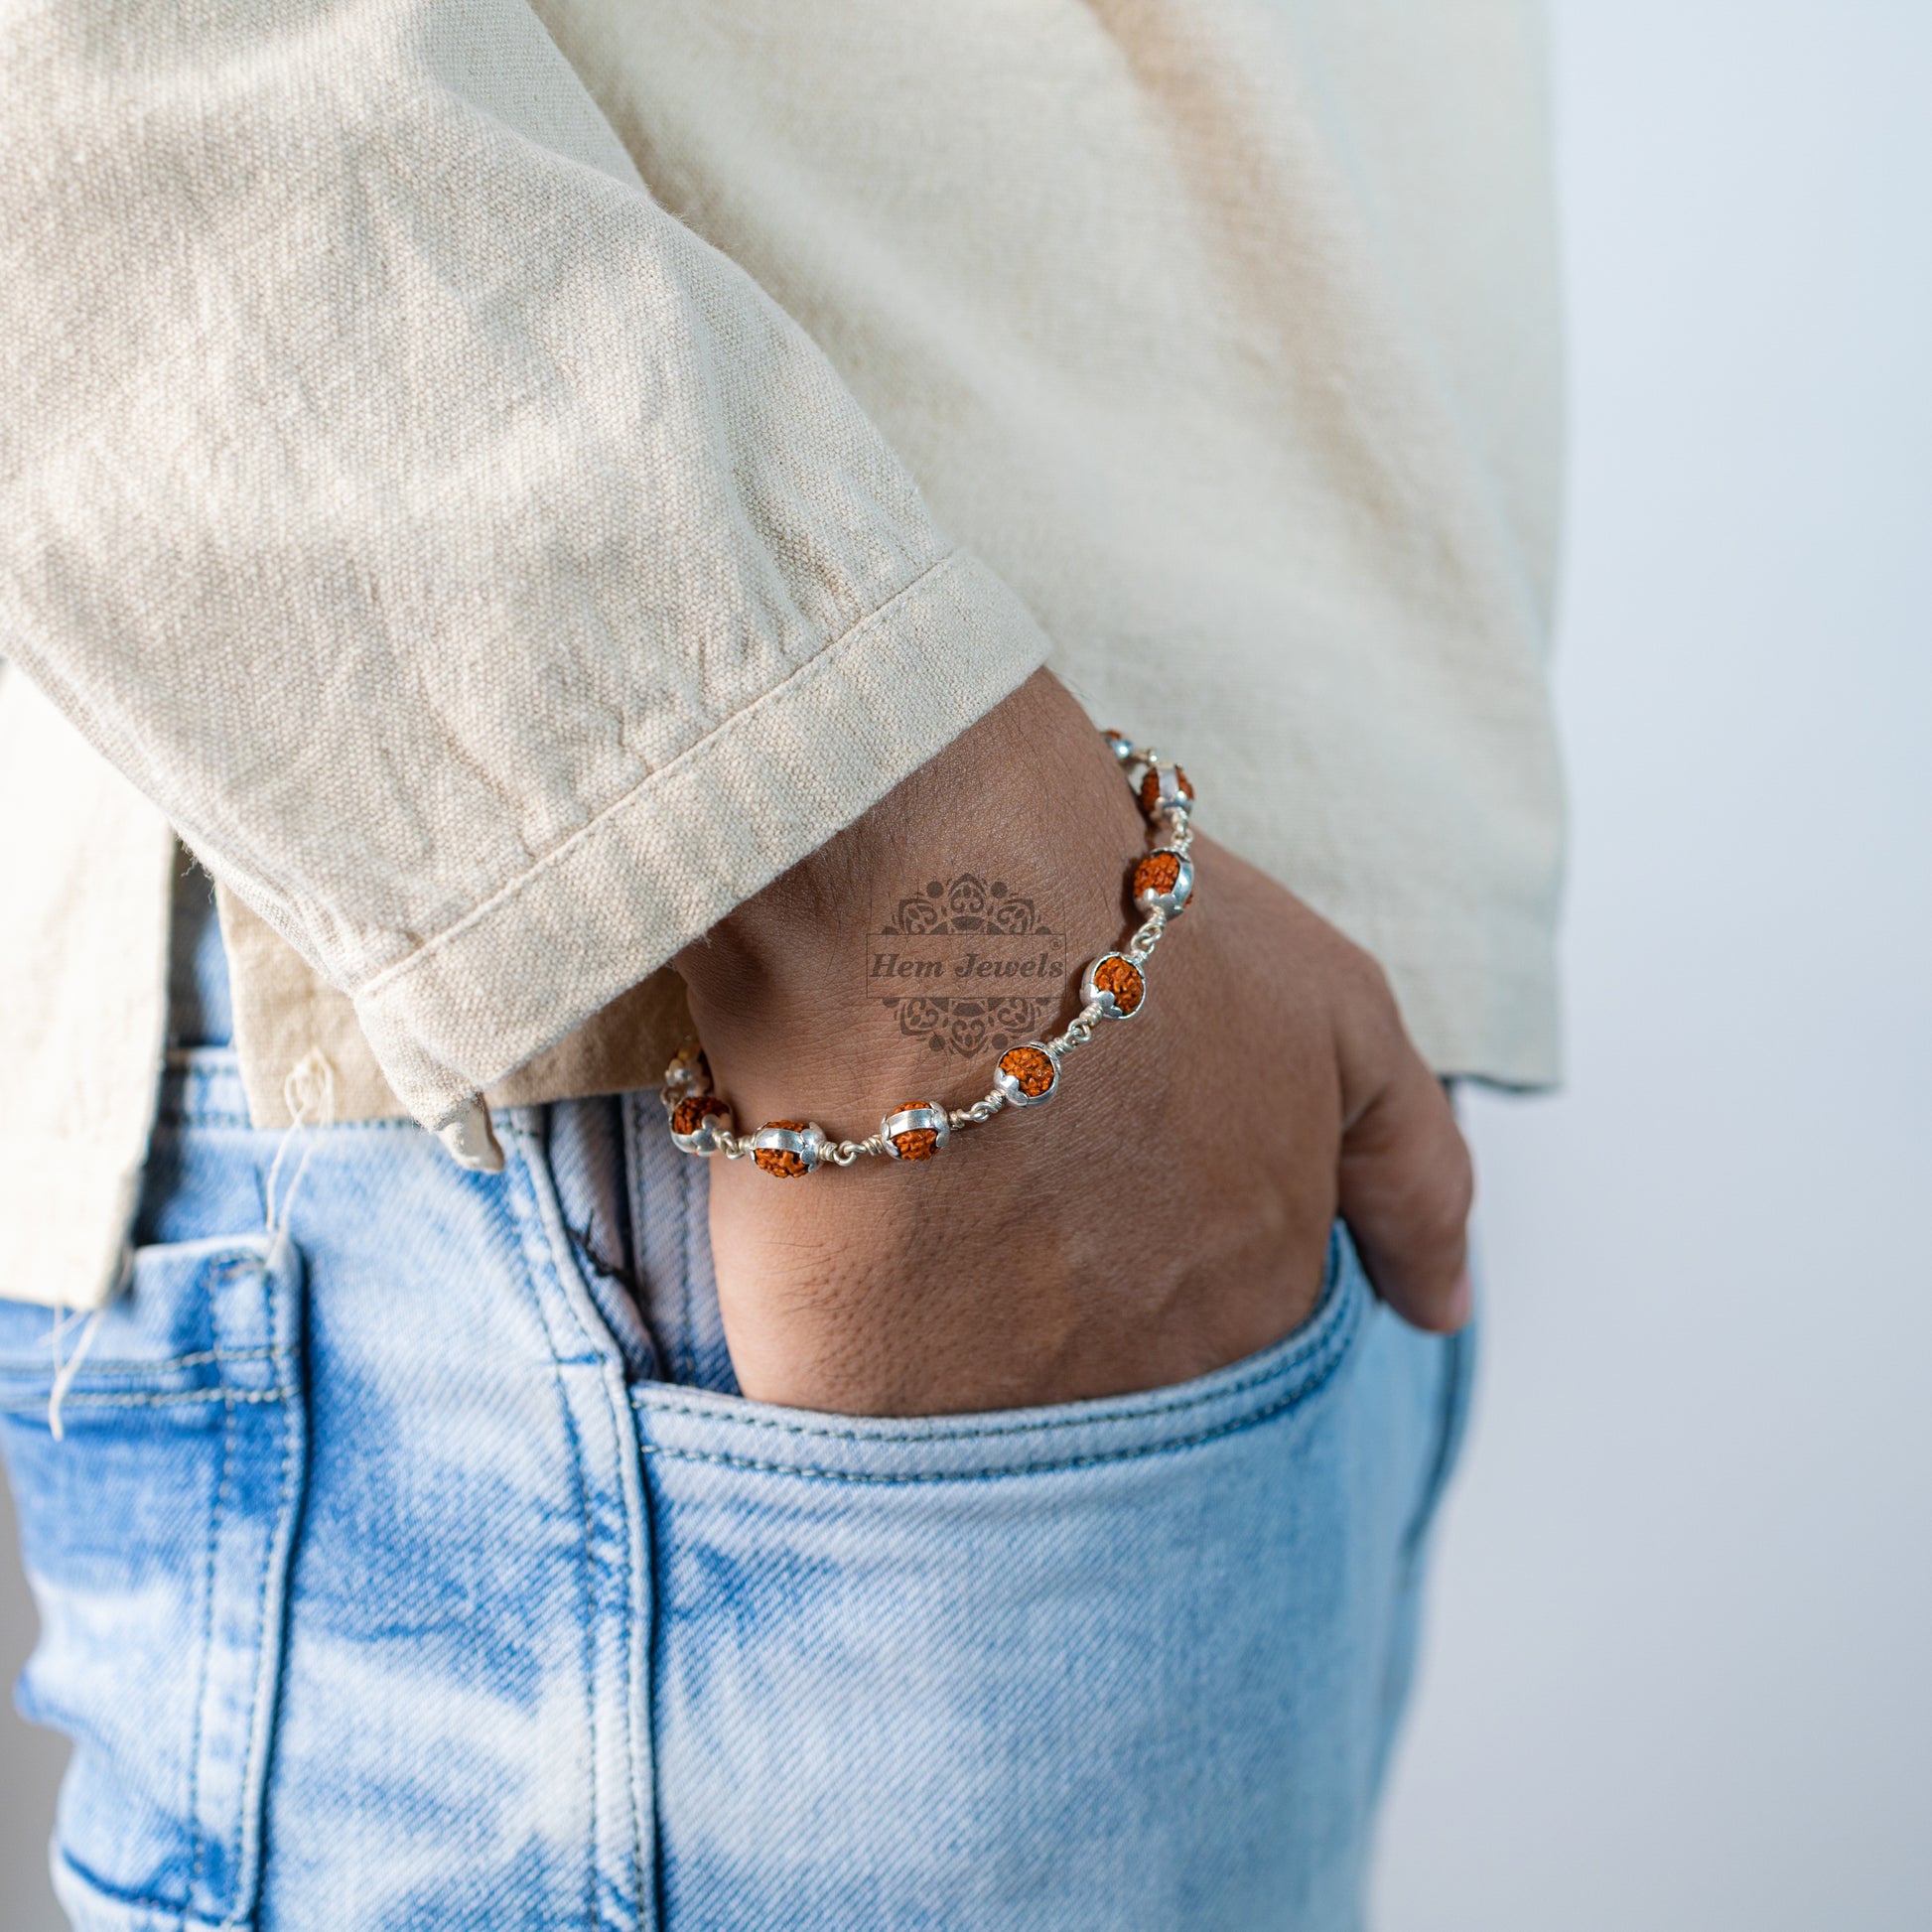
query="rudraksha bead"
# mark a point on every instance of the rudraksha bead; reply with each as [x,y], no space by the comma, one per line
[696,1121]
[1116,985]
[915,1131]
[1165,787]
[1028,1075]
[1164,882]
[789,1147]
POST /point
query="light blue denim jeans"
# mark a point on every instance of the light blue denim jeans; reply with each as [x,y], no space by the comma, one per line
[422,1568]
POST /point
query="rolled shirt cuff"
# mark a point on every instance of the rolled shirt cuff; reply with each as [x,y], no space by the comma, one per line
[696,838]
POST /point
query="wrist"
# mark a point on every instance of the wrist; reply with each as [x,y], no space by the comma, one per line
[899,952]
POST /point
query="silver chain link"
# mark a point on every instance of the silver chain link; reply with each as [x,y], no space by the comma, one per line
[1079,1031]
[1141,947]
[978,1113]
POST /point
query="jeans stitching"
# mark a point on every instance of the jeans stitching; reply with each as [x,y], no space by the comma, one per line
[1310,1349]
[634,1181]
[234,1915]
[687,1345]
[125,1365]
[1291,1400]
[133,1901]
[531,1148]
[191,1903]
[527,1149]
[631,1155]
[178,1116]
[147,1400]
[627,1636]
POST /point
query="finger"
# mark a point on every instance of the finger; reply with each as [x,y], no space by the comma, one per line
[1406,1184]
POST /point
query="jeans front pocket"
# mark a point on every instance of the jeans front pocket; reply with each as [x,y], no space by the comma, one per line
[158,1502]
[1118,1664]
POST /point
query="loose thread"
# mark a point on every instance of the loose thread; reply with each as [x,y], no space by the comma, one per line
[308,1093]
[65,1372]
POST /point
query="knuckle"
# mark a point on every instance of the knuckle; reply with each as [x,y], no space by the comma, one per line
[1453,1197]
[1459,1191]
[1361,976]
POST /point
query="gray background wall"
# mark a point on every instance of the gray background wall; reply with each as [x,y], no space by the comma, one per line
[30,1761]
[1678,1674]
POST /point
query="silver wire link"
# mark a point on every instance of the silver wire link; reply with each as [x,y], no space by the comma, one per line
[841,1154]
[1079,1031]
[978,1113]
[1141,947]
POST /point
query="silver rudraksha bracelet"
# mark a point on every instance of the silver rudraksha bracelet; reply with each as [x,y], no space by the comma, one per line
[1113,987]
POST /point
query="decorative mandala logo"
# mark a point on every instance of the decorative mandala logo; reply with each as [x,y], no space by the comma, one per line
[969,906]
[964,904]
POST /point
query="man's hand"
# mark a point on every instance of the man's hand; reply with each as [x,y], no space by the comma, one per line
[1167,1212]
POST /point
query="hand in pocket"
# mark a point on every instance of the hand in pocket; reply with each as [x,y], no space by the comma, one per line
[1168,1212]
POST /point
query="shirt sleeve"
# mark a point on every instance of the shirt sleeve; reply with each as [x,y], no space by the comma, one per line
[493,585]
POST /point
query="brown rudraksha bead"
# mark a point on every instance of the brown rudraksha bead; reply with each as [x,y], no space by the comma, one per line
[694,1110]
[915,1130]
[1156,872]
[781,1161]
[1154,793]
[1121,978]
[1030,1068]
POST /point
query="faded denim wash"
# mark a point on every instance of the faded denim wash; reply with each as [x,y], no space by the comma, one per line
[406,1570]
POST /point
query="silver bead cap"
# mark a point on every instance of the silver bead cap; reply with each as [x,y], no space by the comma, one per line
[915,1120]
[703,1138]
[807,1141]
[1092,993]
[688,1073]
[1169,796]
[1173,900]
[1009,1085]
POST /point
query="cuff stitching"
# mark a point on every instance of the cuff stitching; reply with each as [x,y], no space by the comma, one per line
[826,653]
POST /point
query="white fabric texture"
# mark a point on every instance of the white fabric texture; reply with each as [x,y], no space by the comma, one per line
[504,487]
[88,888]
[346,355]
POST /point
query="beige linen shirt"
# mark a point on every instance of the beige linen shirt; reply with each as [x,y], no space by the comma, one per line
[502,483]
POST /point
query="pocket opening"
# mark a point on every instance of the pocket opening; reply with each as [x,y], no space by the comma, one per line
[694,1426]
